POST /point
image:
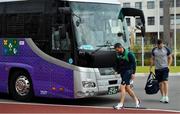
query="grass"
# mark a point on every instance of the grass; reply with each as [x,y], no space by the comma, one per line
[145,69]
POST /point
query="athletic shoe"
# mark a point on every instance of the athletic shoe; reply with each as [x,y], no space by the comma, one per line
[138,103]
[162,99]
[118,106]
[166,100]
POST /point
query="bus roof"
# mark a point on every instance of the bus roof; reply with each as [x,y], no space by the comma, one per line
[11,0]
[94,1]
[98,1]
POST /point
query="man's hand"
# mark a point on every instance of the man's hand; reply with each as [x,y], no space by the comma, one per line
[132,76]
[115,73]
[151,63]
[150,69]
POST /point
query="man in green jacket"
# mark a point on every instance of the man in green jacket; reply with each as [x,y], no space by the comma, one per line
[126,66]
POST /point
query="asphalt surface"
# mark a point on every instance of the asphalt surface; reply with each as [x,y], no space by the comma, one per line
[147,101]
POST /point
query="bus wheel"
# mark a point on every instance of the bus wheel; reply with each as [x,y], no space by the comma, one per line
[20,86]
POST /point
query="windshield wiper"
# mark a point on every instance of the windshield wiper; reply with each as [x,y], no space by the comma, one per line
[108,44]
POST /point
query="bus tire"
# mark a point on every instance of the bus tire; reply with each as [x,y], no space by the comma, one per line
[20,86]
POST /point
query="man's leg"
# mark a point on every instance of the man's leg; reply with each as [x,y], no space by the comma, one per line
[122,97]
[123,93]
[166,91]
[159,77]
[162,88]
[129,90]
[162,91]
[165,83]
[166,88]
[131,93]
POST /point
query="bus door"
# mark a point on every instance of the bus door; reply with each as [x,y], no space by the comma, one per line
[62,50]
[62,38]
[61,44]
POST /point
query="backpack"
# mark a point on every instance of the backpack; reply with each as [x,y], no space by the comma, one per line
[152,84]
[125,57]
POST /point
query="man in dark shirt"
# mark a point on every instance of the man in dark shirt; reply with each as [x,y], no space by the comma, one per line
[126,66]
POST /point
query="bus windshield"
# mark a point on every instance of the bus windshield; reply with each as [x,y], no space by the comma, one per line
[98,24]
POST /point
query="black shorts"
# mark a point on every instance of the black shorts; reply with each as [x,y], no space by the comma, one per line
[162,74]
[126,77]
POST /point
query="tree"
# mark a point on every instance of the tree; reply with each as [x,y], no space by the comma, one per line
[166,21]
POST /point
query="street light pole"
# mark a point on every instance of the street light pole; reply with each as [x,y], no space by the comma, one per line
[175,33]
[142,51]
[158,19]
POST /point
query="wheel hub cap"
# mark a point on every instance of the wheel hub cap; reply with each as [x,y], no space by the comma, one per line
[22,85]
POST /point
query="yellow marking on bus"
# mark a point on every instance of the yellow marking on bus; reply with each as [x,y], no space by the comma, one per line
[61,89]
[5,42]
[15,41]
[54,88]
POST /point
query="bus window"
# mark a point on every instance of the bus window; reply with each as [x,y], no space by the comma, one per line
[60,38]
[65,42]
[55,38]
[0,25]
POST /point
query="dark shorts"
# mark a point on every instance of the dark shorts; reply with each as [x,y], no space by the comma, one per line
[162,74]
[126,77]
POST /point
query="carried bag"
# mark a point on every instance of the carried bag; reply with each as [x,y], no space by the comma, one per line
[152,84]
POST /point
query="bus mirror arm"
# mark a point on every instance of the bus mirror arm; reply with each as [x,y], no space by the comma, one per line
[142,28]
[133,12]
[143,31]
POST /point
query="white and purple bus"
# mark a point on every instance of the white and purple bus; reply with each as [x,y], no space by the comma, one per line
[61,49]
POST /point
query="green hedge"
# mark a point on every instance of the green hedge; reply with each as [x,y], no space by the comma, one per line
[147,55]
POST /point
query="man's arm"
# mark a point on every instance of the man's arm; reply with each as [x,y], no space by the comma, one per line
[132,61]
[151,63]
[169,55]
[152,60]
[170,60]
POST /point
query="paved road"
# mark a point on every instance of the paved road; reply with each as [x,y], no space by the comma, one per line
[150,102]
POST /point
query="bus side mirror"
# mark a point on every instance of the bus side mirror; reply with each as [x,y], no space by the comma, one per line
[142,29]
[133,12]
[64,10]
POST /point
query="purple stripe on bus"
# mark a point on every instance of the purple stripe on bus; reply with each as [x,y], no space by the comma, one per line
[44,75]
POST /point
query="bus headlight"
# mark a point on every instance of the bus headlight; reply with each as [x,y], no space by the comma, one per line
[87,84]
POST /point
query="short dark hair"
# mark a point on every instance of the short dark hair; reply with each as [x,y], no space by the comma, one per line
[117,45]
[159,42]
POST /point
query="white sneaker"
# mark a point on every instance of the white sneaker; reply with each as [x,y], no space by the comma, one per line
[162,99]
[166,100]
[118,106]
[138,103]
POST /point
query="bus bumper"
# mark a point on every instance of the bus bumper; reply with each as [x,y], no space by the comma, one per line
[89,83]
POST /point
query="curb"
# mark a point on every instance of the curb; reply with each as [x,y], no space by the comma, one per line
[147,74]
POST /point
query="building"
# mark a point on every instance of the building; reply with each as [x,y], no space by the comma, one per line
[153,11]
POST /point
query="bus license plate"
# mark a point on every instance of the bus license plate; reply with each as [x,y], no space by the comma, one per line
[112,90]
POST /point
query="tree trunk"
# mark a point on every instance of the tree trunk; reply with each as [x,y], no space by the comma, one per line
[166,21]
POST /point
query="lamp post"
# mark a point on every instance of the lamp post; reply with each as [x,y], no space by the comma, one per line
[175,33]
[140,27]
[158,22]
[142,51]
